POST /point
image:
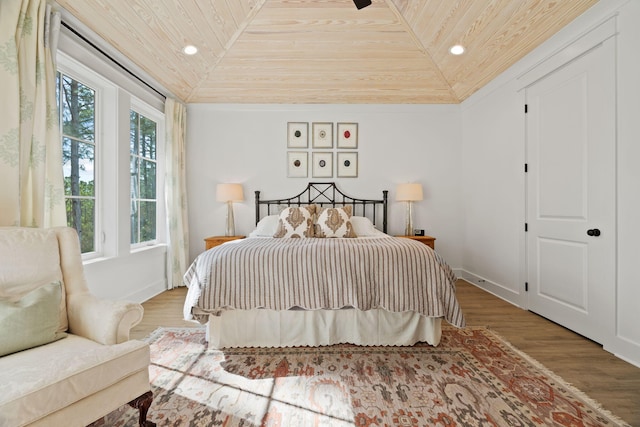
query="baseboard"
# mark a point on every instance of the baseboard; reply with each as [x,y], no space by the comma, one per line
[500,291]
[624,349]
[629,360]
[148,292]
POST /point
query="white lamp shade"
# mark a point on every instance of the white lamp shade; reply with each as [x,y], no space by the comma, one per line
[408,192]
[229,193]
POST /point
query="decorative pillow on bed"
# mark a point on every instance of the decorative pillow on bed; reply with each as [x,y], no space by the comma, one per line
[334,222]
[32,320]
[266,227]
[296,222]
[363,226]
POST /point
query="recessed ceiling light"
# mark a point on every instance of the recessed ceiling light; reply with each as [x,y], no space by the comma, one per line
[457,50]
[190,50]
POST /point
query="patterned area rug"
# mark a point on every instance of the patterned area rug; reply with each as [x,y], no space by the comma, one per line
[473,378]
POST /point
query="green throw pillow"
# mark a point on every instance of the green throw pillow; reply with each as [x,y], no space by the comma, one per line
[32,320]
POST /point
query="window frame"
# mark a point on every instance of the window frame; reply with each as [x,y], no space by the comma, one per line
[82,74]
[112,146]
[151,113]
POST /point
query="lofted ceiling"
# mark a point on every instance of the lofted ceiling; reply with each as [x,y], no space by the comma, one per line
[324,51]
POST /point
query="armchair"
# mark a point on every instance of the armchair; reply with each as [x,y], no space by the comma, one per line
[65,355]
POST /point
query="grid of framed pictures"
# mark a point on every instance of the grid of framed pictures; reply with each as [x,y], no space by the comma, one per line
[319,153]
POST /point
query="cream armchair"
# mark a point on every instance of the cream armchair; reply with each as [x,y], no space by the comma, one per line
[65,355]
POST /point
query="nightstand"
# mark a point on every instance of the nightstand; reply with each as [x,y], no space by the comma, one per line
[212,242]
[427,240]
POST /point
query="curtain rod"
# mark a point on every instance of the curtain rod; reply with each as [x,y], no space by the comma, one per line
[112,59]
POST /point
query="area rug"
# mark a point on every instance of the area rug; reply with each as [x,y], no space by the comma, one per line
[473,378]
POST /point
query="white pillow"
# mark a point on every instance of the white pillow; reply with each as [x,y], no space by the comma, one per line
[266,227]
[363,226]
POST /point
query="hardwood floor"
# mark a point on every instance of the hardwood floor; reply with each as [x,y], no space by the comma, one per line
[602,376]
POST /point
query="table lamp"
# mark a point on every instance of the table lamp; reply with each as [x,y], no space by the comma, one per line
[409,193]
[229,193]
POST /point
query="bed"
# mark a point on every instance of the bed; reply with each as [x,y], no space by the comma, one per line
[332,275]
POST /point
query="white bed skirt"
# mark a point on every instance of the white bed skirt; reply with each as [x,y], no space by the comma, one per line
[271,328]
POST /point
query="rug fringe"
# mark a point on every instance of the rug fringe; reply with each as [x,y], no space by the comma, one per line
[538,365]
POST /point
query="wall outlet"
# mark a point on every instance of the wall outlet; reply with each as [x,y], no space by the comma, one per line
[418,232]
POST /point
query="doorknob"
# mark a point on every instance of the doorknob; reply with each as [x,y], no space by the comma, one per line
[593,232]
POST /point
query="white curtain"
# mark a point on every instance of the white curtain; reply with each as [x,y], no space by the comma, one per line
[176,193]
[31,189]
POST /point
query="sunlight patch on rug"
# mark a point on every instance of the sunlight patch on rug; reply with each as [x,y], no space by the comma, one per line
[472,378]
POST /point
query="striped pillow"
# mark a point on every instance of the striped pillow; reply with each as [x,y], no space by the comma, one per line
[296,222]
[334,222]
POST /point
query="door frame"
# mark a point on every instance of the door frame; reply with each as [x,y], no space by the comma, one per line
[567,54]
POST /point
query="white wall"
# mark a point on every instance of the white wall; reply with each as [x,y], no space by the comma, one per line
[493,189]
[493,178]
[136,276]
[248,144]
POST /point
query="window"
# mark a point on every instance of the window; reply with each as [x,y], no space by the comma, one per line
[113,144]
[77,110]
[143,145]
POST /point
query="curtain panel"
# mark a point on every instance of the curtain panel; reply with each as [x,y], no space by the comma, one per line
[32,192]
[176,193]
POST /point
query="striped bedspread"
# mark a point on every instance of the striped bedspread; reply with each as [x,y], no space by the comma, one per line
[379,272]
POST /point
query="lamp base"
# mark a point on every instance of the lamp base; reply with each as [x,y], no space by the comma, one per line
[231,227]
[408,231]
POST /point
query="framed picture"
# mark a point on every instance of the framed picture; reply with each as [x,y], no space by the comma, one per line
[322,165]
[322,135]
[347,164]
[347,135]
[297,164]
[297,135]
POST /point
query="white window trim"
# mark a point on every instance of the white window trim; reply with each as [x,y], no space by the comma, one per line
[113,103]
[104,96]
[158,117]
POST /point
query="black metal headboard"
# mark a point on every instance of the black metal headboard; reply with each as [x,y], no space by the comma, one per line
[327,194]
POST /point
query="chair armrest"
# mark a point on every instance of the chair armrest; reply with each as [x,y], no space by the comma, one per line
[105,321]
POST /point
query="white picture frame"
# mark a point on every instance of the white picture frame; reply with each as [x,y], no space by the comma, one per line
[297,164]
[297,135]
[322,135]
[322,164]
[348,135]
[347,164]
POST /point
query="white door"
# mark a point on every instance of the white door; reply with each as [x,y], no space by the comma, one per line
[571,194]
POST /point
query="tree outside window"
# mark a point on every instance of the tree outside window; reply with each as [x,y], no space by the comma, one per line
[143,178]
[77,109]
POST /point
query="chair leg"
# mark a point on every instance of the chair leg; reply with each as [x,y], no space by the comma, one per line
[142,403]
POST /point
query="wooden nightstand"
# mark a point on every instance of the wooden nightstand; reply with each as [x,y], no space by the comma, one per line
[427,240]
[213,241]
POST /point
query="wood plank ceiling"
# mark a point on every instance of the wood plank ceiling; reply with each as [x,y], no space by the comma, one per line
[325,51]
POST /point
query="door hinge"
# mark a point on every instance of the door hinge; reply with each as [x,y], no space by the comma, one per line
[526,167]
[526,286]
[526,108]
[526,227]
